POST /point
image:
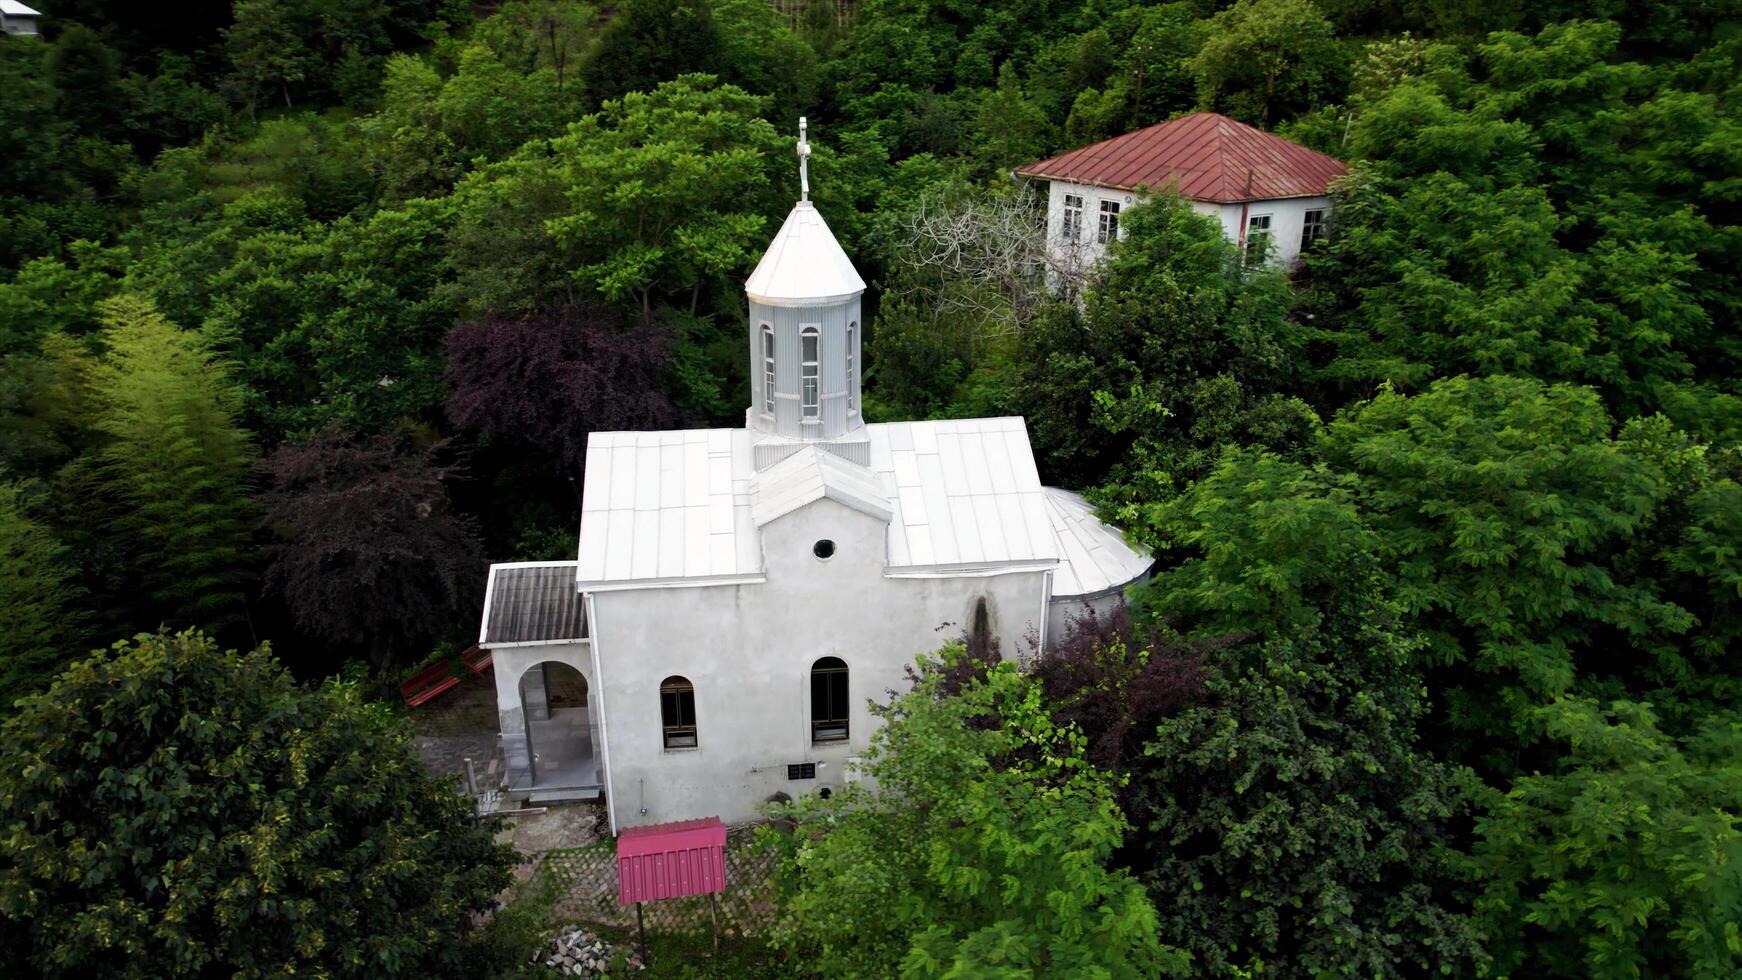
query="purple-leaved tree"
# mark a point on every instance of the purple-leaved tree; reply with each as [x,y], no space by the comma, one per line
[371,554]
[548,379]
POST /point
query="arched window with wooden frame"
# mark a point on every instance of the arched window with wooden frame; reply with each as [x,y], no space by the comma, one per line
[829,700]
[677,712]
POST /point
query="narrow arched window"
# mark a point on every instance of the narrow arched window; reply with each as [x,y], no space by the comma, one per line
[677,712]
[808,341]
[767,369]
[852,367]
[829,700]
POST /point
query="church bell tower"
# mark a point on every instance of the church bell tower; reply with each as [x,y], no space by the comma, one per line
[805,339]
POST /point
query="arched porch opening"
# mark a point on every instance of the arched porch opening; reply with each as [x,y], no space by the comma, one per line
[554,700]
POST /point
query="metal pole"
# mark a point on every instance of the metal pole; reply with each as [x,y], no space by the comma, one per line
[641,928]
[471,778]
[714,918]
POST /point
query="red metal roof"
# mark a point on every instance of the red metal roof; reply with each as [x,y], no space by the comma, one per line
[1207,155]
[671,860]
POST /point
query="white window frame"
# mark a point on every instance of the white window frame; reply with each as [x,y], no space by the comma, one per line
[1107,227]
[1071,227]
[1253,229]
[853,367]
[768,370]
[810,381]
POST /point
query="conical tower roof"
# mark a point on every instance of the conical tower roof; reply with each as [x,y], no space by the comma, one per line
[804,265]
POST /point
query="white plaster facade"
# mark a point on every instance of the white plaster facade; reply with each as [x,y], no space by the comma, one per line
[1287,218]
[748,650]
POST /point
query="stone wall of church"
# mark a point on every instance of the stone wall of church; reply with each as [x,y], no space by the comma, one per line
[748,652]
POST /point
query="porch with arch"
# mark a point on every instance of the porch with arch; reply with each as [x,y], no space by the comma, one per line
[545,698]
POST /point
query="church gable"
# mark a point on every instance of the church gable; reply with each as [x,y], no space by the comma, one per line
[810,475]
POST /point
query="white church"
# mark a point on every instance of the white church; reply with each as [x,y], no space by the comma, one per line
[741,595]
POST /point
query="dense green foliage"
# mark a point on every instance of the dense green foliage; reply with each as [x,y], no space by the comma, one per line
[1439,663]
[983,847]
[171,809]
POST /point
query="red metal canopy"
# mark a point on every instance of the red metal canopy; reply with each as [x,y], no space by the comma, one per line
[671,860]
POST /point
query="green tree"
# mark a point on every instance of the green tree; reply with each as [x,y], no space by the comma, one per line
[87,77]
[1623,860]
[1264,60]
[170,474]
[1502,503]
[983,850]
[1012,130]
[173,810]
[40,623]
[267,49]
[1293,821]
[668,191]
[1178,349]
[650,42]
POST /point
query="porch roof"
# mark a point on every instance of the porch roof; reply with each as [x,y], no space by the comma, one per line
[532,602]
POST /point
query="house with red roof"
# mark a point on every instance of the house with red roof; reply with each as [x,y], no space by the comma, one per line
[1266,191]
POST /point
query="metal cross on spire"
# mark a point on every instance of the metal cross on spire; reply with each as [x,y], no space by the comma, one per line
[804,156]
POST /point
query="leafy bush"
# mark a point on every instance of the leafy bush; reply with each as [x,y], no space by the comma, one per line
[173,810]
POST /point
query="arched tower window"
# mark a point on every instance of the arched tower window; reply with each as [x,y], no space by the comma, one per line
[852,367]
[809,340]
[829,700]
[767,369]
[677,712]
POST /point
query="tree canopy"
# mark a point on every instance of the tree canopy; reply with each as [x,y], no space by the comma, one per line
[173,809]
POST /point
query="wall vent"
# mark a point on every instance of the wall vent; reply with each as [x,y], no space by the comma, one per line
[803,770]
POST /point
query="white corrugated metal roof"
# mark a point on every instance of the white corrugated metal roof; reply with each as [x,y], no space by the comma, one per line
[667,508]
[810,475]
[12,8]
[1093,557]
[965,491]
[804,265]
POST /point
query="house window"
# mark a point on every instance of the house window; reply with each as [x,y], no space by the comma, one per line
[1072,227]
[1258,236]
[677,712]
[1313,228]
[852,366]
[767,370]
[829,700]
[808,342]
[1109,229]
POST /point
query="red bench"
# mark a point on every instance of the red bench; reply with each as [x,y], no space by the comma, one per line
[427,684]
[478,660]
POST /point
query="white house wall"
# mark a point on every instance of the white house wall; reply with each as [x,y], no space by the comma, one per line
[748,651]
[1288,220]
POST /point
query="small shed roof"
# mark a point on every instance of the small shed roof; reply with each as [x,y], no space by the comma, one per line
[671,860]
[804,265]
[1094,558]
[532,602]
[810,475]
[1205,155]
[12,8]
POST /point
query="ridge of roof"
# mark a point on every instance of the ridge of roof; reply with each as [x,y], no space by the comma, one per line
[1205,155]
[812,474]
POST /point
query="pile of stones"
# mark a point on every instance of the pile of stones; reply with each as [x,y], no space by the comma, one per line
[575,952]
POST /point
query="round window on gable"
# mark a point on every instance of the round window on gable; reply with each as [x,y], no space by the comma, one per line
[824,549]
